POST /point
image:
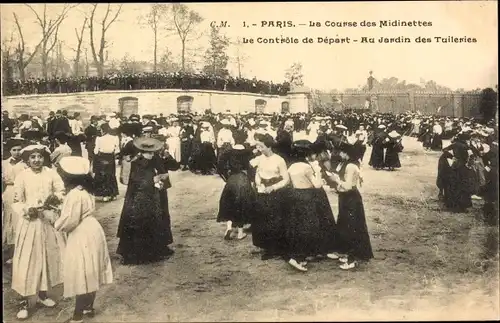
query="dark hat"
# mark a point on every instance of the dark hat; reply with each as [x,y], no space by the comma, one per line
[14,142]
[33,134]
[134,117]
[147,144]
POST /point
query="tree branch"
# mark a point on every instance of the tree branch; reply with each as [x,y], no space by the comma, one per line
[114,18]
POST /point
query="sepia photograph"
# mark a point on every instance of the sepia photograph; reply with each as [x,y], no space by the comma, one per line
[250,162]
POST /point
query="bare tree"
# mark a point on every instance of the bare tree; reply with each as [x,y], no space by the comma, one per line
[184,21]
[155,19]
[7,60]
[98,54]
[50,32]
[20,51]
[78,49]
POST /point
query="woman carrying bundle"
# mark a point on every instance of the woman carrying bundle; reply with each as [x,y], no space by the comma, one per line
[144,228]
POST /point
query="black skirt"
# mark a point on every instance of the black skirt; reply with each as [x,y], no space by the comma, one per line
[104,169]
[237,200]
[436,142]
[392,158]
[268,231]
[354,239]
[309,225]
[377,156]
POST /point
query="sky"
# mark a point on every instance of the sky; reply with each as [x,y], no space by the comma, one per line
[325,66]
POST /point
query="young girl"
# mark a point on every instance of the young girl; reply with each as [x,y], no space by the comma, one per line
[86,258]
[37,263]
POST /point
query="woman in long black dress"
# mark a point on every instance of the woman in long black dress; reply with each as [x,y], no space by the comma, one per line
[354,239]
[236,201]
[309,224]
[393,148]
[271,181]
[144,228]
[460,185]
[377,143]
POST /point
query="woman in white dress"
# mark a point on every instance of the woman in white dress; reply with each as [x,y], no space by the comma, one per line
[37,263]
[173,139]
[88,266]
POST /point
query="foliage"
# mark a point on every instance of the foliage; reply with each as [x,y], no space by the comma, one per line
[488,104]
[216,57]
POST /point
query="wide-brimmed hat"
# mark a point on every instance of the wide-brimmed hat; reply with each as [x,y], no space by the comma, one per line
[33,134]
[75,165]
[225,122]
[341,127]
[15,142]
[381,126]
[28,150]
[394,134]
[147,144]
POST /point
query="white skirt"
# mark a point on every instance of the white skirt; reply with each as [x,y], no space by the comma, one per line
[37,263]
[88,265]
[174,147]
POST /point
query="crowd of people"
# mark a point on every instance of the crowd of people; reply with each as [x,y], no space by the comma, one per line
[143,81]
[276,169]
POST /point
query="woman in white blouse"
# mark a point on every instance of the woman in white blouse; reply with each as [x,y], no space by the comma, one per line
[104,166]
[309,225]
[271,180]
[37,261]
[354,239]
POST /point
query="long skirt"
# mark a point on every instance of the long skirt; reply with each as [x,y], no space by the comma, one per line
[144,229]
[479,175]
[205,159]
[37,264]
[186,147]
[9,217]
[443,174]
[268,231]
[105,175]
[174,148]
[436,142]
[222,162]
[377,156]
[88,266]
[309,225]
[237,200]
[354,239]
[392,158]
[125,171]
[460,188]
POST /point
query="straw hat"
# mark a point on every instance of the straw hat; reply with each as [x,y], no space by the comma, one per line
[147,144]
[341,126]
[28,150]
[75,165]
[381,126]
[394,134]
